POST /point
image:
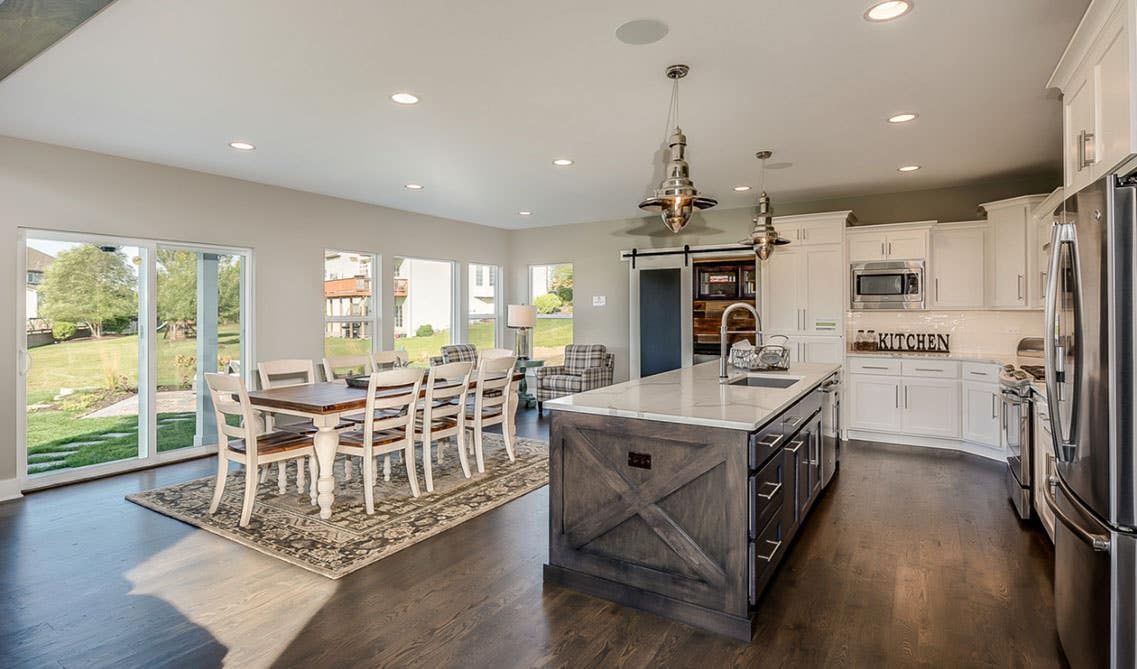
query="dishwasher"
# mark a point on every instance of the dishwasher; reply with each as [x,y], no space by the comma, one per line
[830,427]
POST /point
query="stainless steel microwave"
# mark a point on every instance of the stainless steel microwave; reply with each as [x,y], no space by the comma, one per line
[886,285]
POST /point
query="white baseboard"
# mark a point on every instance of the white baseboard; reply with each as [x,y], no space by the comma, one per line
[10,489]
[988,452]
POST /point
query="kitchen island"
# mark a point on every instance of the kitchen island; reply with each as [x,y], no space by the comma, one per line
[680,495]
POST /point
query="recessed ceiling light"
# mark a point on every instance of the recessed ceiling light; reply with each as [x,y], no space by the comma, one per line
[888,10]
[413,186]
[741,188]
[525,213]
[562,162]
[241,146]
[908,168]
[902,118]
[405,98]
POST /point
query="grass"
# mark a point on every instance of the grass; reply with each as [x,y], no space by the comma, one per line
[56,431]
[88,363]
[548,342]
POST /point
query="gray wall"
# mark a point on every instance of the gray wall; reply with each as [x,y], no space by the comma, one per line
[593,248]
[54,188]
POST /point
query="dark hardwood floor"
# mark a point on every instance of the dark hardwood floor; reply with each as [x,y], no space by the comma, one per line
[911,558]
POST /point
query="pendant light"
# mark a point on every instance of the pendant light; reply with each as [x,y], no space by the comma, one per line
[764,237]
[676,198]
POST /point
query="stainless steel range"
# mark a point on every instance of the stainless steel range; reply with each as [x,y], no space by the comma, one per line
[1015,385]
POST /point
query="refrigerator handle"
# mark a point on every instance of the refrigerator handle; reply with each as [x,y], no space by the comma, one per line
[1099,542]
[1062,234]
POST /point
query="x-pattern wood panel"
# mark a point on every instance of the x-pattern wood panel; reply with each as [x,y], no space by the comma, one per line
[642,500]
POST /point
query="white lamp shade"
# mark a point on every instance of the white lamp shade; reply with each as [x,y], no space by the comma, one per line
[521,316]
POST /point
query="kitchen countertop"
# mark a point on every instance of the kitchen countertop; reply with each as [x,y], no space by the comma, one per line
[694,396]
[962,356]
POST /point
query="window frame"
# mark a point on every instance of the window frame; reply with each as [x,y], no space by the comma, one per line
[530,297]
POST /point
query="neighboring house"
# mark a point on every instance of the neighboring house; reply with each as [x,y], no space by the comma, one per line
[37,264]
[418,285]
[347,292]
[482,289]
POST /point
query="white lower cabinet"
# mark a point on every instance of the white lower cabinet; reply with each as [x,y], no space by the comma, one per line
[875,402]
[1043,464]
[902,396]
[981,407]
[931,407]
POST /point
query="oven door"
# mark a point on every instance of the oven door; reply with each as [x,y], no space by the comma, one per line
[887,285]
[1017,436]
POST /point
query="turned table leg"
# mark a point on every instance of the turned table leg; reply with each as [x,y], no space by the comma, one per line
[326,442]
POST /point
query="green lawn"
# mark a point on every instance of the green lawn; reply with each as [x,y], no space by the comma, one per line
[549,341]
[89,362]
[58,432]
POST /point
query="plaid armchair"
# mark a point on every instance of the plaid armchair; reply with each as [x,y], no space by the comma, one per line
[456,353]
[587,366]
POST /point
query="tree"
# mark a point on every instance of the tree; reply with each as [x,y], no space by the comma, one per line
[548,303]
[177,290]
[229,290]
[561,283]
[90,285]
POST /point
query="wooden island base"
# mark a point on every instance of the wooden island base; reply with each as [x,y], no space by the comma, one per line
[685,521]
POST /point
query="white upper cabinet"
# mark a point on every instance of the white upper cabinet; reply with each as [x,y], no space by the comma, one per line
[904,241]
[1099,93]
[959,266]
[1009,286]
[804,283]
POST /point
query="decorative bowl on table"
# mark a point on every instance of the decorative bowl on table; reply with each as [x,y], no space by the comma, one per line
[358,381]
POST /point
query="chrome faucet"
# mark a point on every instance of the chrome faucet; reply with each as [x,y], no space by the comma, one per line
[723,332]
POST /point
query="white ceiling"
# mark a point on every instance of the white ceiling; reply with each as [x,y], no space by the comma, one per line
[508,85]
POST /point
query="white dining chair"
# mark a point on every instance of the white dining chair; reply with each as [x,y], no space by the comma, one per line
[343,366]
[390,434]
[494,353]
[443,415]
[491,405]
[282,374]
[245,444]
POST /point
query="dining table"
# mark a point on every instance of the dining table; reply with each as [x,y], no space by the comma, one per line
[326,403]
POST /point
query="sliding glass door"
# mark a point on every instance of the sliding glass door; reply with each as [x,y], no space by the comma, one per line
[82,360]
[117,336]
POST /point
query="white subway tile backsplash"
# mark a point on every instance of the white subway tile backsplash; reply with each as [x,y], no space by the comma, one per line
[971,331]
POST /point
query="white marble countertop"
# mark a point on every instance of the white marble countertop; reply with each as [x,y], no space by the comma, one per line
[963,356]
[694,396]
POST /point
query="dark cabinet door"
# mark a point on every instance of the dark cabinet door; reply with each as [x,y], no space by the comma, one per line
[815,457]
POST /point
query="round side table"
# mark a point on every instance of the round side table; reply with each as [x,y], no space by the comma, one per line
[523,394]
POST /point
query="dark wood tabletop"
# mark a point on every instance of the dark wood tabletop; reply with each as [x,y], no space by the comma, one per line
[328,398]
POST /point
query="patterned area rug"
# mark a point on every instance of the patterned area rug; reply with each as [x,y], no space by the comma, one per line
[288,526]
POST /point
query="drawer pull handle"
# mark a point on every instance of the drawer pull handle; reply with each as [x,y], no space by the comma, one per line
[770,444]
[928,369]
[770,557]
[980,373]
[796,446]
[795,421]
[873,367]
[777,487]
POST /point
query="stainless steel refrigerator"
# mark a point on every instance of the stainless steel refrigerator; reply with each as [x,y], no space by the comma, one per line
[1091,348]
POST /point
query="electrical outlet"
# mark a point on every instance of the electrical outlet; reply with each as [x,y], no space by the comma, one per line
[639,460]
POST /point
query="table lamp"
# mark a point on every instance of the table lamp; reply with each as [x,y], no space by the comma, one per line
[523,318]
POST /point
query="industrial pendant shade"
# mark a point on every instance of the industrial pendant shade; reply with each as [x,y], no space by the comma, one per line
[764,237]
[676,197]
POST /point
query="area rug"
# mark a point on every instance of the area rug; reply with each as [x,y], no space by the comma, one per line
[289,527]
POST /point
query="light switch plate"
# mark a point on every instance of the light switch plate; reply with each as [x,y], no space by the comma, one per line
[599,300]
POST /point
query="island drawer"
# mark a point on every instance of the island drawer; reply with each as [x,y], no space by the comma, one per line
[798,415]
[764,554]
[765,443]
[766,489]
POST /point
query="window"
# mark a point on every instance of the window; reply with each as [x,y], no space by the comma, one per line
[351,323]
[550,290]
[120,336]
[482,312]
[424,300]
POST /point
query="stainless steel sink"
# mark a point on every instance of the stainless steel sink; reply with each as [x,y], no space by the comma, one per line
[764,381]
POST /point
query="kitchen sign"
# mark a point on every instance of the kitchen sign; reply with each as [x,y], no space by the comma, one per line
[913,343]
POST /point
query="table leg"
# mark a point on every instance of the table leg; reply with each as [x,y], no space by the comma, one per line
[326,442]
